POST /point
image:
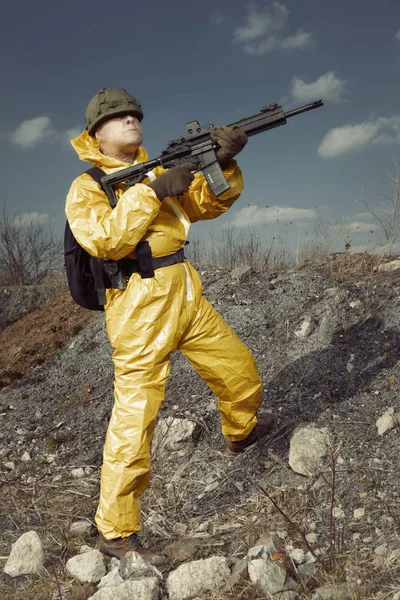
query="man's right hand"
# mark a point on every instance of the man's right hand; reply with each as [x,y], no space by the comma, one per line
[174,182]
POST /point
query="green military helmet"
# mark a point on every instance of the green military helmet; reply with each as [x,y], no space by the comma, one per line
[108,103]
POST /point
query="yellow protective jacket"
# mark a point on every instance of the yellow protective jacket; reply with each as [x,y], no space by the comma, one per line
[139,215]
[153,317]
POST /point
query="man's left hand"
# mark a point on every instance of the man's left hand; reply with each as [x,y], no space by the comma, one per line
[231,141]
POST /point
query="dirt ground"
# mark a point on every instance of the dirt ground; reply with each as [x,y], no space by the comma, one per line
[55,364]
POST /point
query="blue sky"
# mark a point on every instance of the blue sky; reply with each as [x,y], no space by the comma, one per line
[213,62]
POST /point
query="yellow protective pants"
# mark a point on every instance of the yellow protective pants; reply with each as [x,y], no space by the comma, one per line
[145,323]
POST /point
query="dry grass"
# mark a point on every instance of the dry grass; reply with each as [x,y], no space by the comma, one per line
[48,507]
[235,248]
[169,513]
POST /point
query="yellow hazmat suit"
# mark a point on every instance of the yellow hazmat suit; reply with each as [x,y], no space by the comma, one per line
[151,318]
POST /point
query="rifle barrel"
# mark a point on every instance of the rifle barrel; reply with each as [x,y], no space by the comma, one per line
[298,111]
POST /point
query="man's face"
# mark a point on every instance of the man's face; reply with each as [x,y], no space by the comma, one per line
[120,134]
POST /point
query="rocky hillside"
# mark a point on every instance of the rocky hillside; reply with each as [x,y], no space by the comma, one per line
[311,512]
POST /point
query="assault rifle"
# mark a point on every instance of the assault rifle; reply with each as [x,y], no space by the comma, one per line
[198,147]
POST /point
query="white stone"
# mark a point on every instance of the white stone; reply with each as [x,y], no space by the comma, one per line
[355,304]
[298,556]
[84,549]
[338,512]
[10,466]
[271,577]
[173,434]
[133,566]
[358,513]
[195,578]
[88,567]
[308,446]
[80,528]
[386,422]
[112,578]
[393,265]
[381,550]
[78,473]
[26,457]
[26,556]
[266,544]
[310,558]
[134,589]
[240,273]
[312,538]
[396,596]
[306,329]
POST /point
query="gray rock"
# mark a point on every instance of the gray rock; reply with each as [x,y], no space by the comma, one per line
[240,273]
[306,328]
[312,538]
[393,265]
[81,528]
[387,421]
[298,556]
[87,568]
[78,473]
[271,578]
[140,589]
[26,556]
[112,578]
[182,549]
[133,566]
[381,550]
[198,577]
[307,570]
[239,573]
[173,434]
[336,591]
[267,543]
[396,596]
[308,446]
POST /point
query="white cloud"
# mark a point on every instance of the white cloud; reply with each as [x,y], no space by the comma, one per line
[349,138]
[397,36]
[263,28]
[216,17]
[328,87]
[31,132]
[298,41]
[258,215]
[72,133]
[35,131]
[30,218]
[362,216]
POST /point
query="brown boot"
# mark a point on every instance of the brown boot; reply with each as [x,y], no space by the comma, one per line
[265,423]
[118,547]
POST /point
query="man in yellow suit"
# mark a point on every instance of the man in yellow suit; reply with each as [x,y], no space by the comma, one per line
[155,315]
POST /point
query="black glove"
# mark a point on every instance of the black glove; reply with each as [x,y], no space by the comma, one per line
[231,141]
[174,182]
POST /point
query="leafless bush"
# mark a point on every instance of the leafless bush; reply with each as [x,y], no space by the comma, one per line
[387,210]
[28,248]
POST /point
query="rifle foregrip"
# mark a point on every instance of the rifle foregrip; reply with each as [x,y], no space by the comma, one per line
[216,179]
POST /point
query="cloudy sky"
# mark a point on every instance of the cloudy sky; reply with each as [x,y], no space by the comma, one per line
[213,62]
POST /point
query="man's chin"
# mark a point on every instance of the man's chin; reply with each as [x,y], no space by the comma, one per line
[131,147]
